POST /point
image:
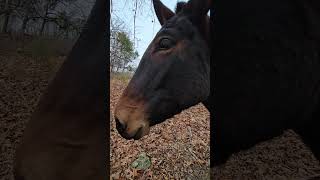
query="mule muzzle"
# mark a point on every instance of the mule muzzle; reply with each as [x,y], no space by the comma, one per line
[131,123]
[124,131]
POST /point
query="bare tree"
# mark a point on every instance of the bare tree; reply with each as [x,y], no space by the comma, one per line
[28,11]
[63,18]
[9,6]
[7,15]
[122,51]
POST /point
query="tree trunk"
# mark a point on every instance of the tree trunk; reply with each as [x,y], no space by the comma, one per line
[5,24]
[44,20]
[42,26]
[111,68]
[24,25]
[66,36]
[7,16]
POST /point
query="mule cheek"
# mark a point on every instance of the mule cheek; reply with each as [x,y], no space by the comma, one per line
[161,107]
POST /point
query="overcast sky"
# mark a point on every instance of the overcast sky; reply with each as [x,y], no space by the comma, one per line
[145,28]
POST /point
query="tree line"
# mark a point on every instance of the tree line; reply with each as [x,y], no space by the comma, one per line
[122,49]
[65,19]
[58,18]
[122,42]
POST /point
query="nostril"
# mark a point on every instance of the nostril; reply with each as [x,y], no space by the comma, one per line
[121,127]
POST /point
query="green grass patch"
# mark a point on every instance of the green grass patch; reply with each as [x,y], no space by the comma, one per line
[122,76]
[46,48]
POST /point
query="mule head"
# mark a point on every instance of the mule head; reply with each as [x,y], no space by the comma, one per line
[174,72]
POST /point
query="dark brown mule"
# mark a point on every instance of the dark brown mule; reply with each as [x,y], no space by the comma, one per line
[266,64]
[66,137]
[174,72]
[267,73]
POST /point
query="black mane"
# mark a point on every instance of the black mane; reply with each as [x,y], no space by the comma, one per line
[180,6]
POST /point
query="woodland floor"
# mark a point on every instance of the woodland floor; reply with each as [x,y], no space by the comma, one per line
[22,80]
[179,147]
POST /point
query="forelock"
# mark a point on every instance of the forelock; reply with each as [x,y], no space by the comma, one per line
[180,6]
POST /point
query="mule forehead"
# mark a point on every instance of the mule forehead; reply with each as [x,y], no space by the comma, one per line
[178,26]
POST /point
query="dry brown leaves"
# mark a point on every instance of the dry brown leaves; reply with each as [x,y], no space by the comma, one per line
[22,80]
[179,147]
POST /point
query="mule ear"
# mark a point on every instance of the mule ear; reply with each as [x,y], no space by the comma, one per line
[199,7]
[163,13]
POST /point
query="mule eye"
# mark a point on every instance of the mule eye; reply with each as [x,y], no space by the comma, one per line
[166,43]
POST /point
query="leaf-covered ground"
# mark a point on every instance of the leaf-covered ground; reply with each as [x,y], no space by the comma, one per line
[282,158]
[179,147]
[22,80]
